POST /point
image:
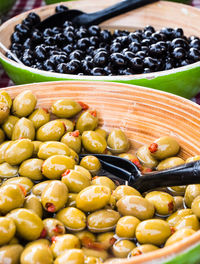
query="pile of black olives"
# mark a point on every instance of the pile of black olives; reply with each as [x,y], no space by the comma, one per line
[99,52]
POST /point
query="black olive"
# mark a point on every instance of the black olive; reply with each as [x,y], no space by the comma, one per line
[149,28]
[36,36]
[157,50]
[27,43]
[178,53]
[150,63]
[48,65]
[179,42]
[178,32]
[94,30]
[75,55]
[147,34]
[83,43]
[17,37]
[50,41]
[81,33]
[94,41]
[68,48]
[118,59]
[61,8]
[194,54]
[67,24]
[134,47]
[35,17]
[23,29]
[97,71]
[136,64]
[40,52]
[115,47]
[105,35]
[195,44]
[129,55]
[72,66]
[101,59]
[48,32]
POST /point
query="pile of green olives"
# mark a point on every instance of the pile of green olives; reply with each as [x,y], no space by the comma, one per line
[57,209]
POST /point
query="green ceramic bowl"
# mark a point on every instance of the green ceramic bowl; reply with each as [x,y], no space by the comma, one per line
[5,6]
[184,81]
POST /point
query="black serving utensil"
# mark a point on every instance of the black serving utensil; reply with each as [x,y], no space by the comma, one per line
[126,170]
[83,19]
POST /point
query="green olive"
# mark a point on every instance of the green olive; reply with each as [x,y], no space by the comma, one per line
[25,182]
[146,158]
[106,239]
[12,197]
[102,132]
[74,256]
[33,203]
[122,248]
[4,112]
[72,140]
[9,124]
[75,181]
[102,221]
[24,104]
[117,141]
[51,131]
[23,129]
[87,121]
[83,171]
[36,145]
[73,218]
[7,230]
[3,148]
[14,241]
[191,192]
[18,151]
[85,237]
[65,108]
[40,241]
[10,254]
[51,148]
[179,235]
[178,215]
[164,147]
[2,135]
[102,255]
[177,190]
[136,206]
[91,163]
[92,260]
[8,171]
[191,159]
[63,242]
[39,117]
[124,190]
[31,168]
[71,202]
[178,202]
[28,224]
[37,253]
[39,187]
[74,156]
[53,227]
[69,125]
[126,226]
[93,198]
[153,231]
[54,196]
[170,163]
[93,142]
[162,201]
[105,181]
[5,98]
[143,249]
[195,206]
[112,203]
[189,221]
[54,166]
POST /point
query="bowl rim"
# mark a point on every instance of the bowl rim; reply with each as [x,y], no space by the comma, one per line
[147,76]
[163,254]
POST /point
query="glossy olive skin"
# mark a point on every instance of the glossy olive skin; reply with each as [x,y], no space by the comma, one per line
[10,254]
[87,121]
[18,151]
[8,171]
[136,206]
[122,248]
[36,146]
[73,218]
[123,190]
[5,98]
[64,242]
[178,202]
[179,235]
[191,159]
[32,168]
[12,197]
[3,148]
[4,112]
[117,141]
[2,135]
[85,236]
[75,181]
[153,231]
[162,201]
[39,187]
[195,206]
[72,140]
[28,225]
[165,147]
[91,163]
[51,131]
[53,227]
[177,190]
[191,192]
[51,148]
[178,215]
[54,196]
[74,256]
[93,198]
[93,256]
[71,202]
[105,181]
[36,253]
[64,108]
[189,221]
[102,221]
[93,142]
[33,203]
[9,124]
[83,171]
[23,129]
[106,239]
[143,249]
[69,125]
[39,117]
[126,226]
[102,132]
[54,166]
[25,182]
[24,104]
[170,163]
[145,157]
[7,230]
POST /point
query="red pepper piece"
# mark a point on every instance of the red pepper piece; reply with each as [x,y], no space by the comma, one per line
[137,163]
[112,240]
[50,207]
[93,113]
[171,207]
[146,170]
[88,243]
[75,133]
[43,233]
[58,229]
[137,253]
[65,173]
[46,110]
[23,189]
[153,147]
[83,105]
[95,177]
[173,230]
[53,239]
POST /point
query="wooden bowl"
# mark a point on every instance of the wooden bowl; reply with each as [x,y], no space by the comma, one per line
[144,114]
[182,81]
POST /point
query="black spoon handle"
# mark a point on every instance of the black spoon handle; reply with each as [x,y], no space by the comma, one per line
[115,10]
[188,173]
